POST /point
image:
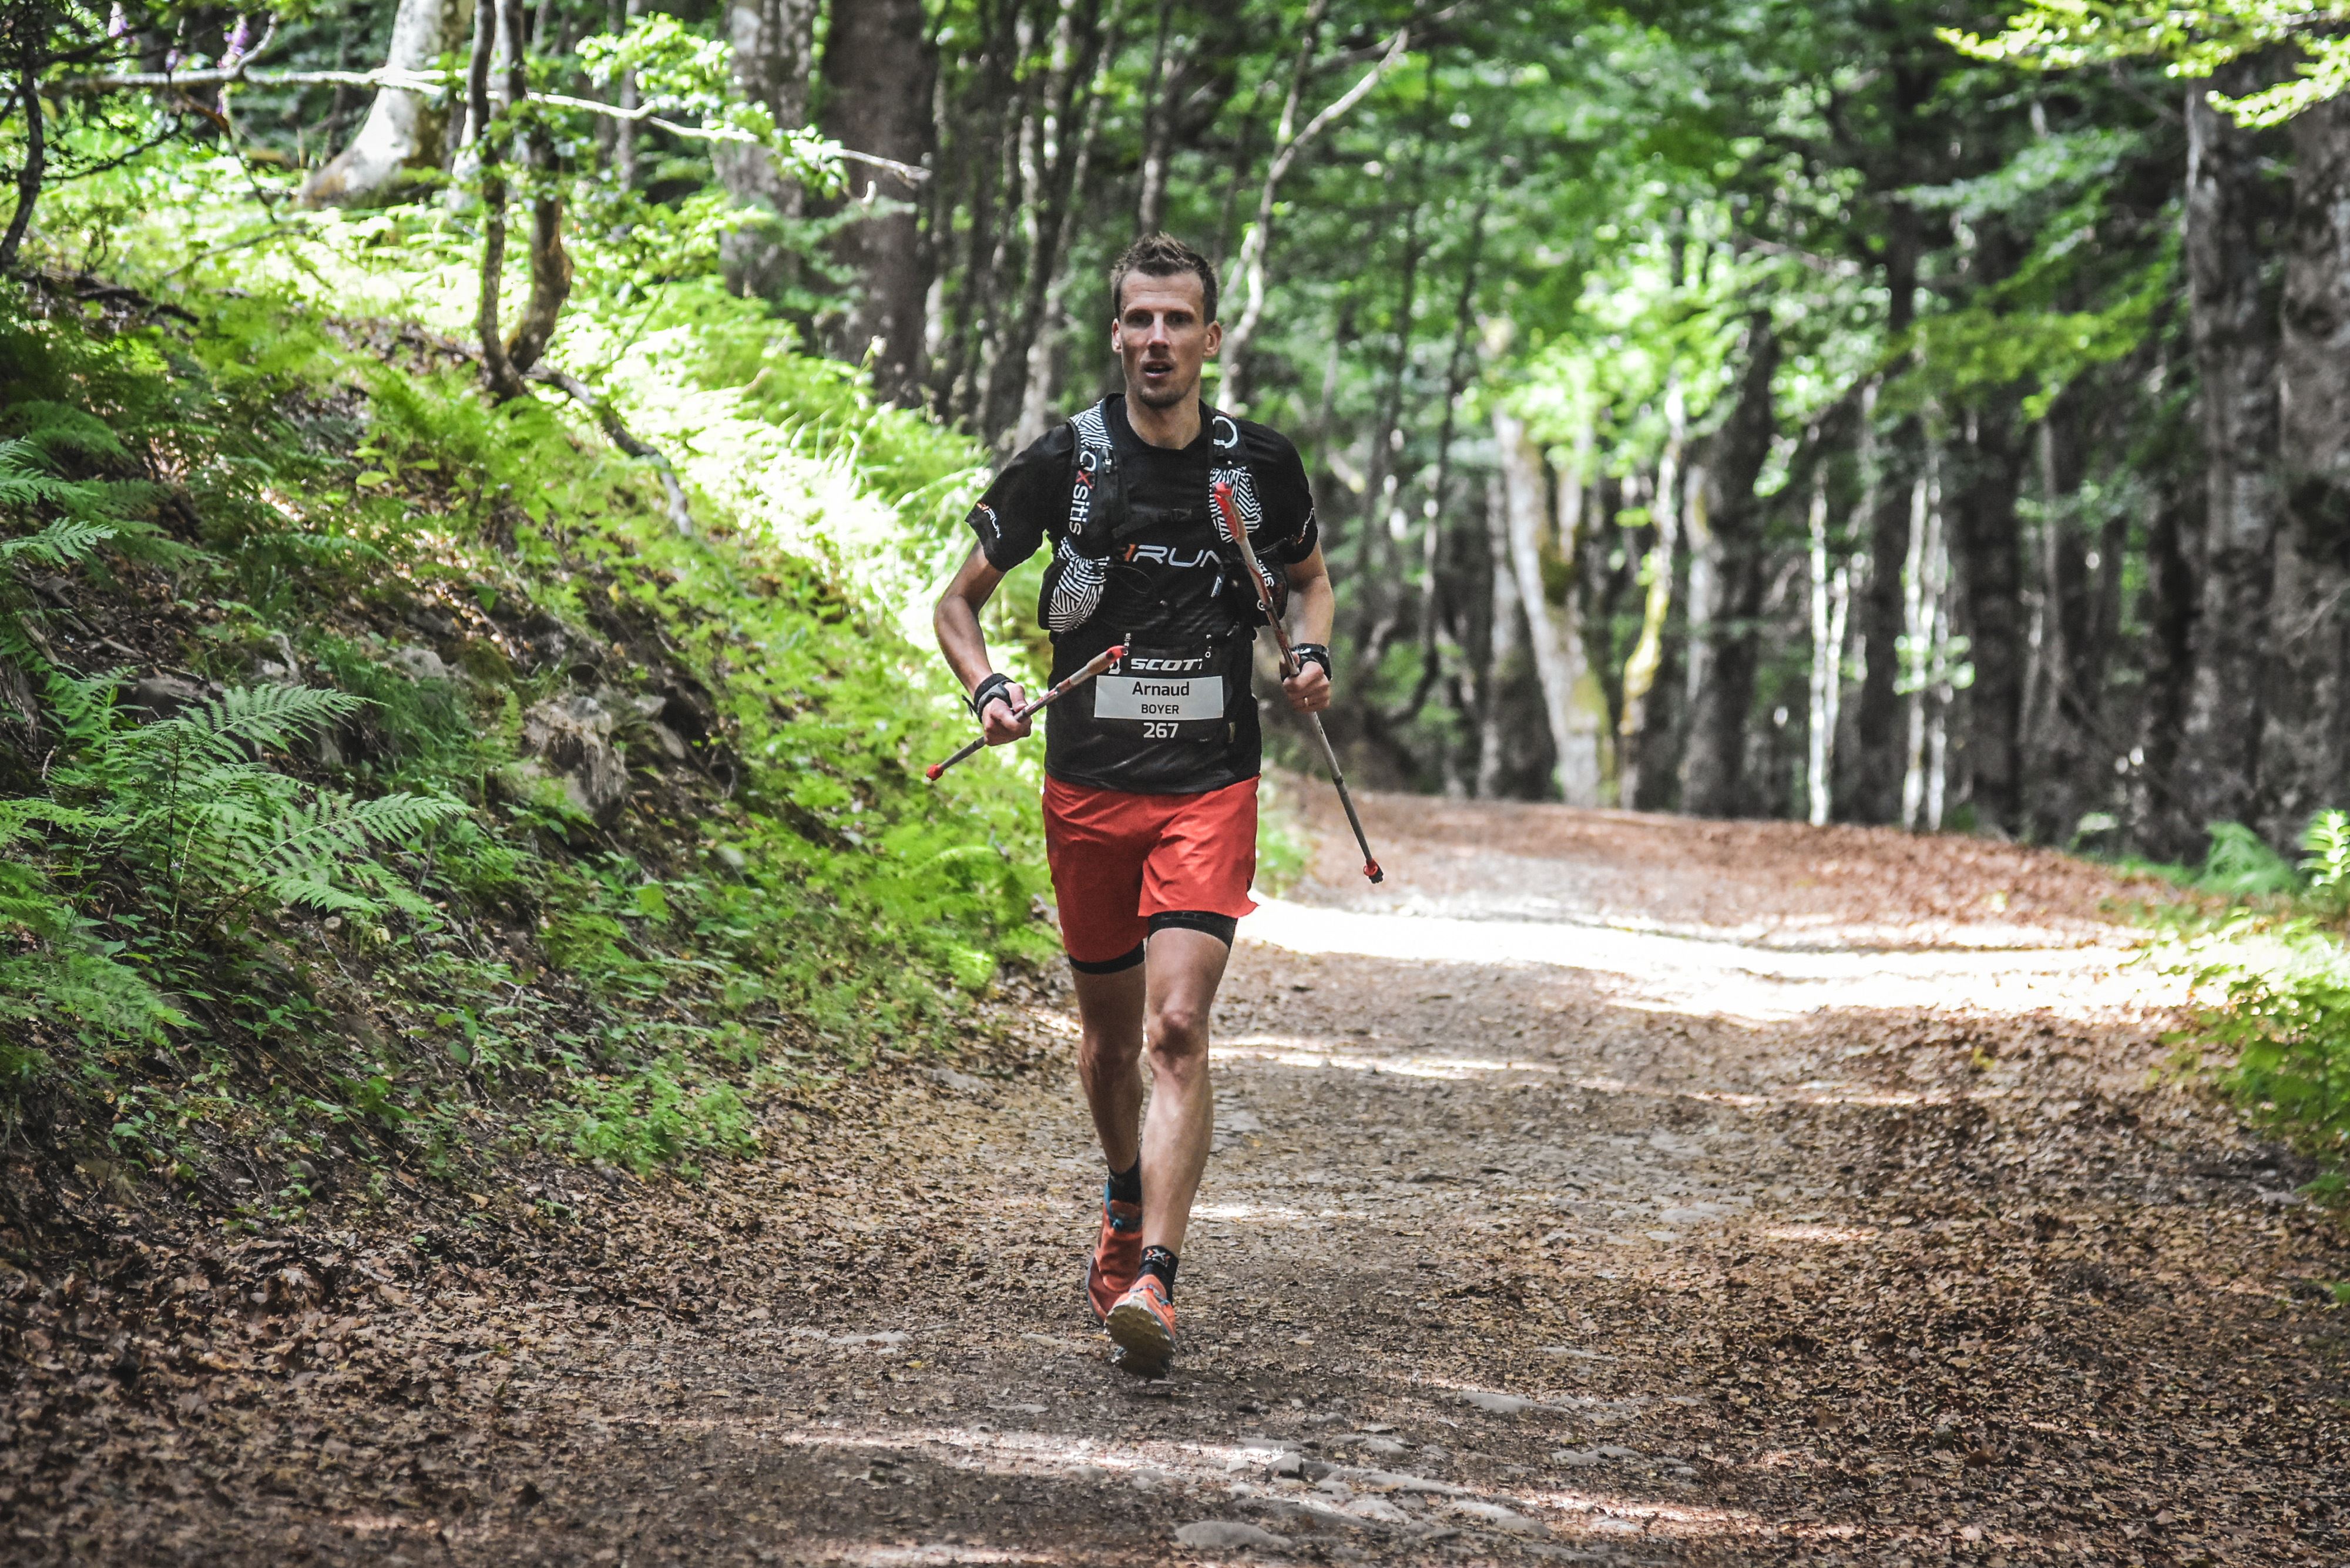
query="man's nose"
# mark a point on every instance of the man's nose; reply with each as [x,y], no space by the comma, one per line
[1157,337]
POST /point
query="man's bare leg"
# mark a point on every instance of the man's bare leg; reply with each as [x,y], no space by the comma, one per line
[1109,1060]
[1164,1006]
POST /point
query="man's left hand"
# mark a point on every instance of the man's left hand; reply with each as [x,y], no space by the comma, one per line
[1309,689]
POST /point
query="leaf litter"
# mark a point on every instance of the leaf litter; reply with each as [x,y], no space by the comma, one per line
[1918,1307]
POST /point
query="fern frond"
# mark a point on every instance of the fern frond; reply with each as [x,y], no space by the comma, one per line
[51,427]
[2327,840]
[337,825]
[273,715]
[61,543]
[90,988]
[317,892]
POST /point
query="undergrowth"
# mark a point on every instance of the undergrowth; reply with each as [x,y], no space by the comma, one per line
[286,895]
[2271,979]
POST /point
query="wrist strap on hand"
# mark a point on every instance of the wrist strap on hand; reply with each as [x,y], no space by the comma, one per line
[997,684]
[1312,653]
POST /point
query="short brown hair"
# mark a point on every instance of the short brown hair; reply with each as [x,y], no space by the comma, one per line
[1161,256]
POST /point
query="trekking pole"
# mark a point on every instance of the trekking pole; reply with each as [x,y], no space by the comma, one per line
[1093,666]
[1290,666]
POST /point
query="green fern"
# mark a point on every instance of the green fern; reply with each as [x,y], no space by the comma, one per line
[2242,866]
[2327,840]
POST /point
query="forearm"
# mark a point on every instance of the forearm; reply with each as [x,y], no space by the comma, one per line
[956,620]
[1313,608]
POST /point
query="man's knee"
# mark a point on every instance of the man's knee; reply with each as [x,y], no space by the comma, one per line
[1179,1031]
[1109,1046]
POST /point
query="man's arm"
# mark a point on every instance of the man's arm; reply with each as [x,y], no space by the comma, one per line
[956,621]
[1314,606]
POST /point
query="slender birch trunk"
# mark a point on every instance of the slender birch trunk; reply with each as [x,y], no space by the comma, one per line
[1830,594]
[403,129]
[1288,144]
[1558,647]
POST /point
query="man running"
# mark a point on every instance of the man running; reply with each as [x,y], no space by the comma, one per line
[1151,769]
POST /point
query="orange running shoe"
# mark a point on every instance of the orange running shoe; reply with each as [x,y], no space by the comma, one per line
[1118,1256]
[1143,1325]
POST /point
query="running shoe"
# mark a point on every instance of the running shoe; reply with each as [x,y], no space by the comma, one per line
[1143,1326]
[1118,1256]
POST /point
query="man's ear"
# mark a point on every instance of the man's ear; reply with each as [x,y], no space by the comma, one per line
[1116,336]
[1215,337]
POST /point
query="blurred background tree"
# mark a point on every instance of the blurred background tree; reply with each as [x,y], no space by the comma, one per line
[1867,410]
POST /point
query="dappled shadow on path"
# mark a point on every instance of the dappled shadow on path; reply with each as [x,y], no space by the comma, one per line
[1650,1246]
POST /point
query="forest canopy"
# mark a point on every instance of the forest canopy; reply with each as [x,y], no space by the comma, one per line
[1883,412]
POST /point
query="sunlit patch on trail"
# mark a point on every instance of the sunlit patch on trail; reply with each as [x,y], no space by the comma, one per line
[920,1556]
[1653,971]
[1830,1234]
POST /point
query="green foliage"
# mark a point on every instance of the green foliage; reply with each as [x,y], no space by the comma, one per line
[2327,864]
[2239,865]
[2283,1028]
[341,870]
[2279,1030]
[2066,35]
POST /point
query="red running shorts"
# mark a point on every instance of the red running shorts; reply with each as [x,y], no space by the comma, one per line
[1119,858]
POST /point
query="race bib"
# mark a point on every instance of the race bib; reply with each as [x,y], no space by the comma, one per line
[1164,694]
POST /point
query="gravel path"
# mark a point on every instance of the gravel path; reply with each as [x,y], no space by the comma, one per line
[1605,1188]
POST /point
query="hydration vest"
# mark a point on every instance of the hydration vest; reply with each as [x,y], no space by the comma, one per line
[1101,520]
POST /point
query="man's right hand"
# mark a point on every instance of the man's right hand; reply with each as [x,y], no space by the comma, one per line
[999,726]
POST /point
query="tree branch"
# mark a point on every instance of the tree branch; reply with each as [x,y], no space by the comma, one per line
[587,397]
[437,85]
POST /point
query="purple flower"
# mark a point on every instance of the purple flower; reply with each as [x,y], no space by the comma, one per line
[117,23]
[237,40]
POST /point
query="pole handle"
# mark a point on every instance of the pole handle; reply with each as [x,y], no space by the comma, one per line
[1093,666]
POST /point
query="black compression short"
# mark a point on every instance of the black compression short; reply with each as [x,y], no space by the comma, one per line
[1221,926]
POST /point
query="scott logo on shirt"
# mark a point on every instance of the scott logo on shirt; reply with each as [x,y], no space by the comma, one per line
[1168,556]
[1140,663]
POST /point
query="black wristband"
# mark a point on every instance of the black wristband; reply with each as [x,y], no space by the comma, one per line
[1312,653]
[997,684]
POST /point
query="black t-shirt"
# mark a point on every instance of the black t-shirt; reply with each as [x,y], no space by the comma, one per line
[1176,716]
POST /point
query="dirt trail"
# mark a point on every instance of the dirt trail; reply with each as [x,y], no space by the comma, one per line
[1604,1188]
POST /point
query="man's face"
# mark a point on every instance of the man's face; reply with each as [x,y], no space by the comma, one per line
[1160,336]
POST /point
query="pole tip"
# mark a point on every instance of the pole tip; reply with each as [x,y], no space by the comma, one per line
[1371,870]
[933,771]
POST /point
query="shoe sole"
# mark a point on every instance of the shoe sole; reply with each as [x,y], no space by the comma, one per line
[1148,1345]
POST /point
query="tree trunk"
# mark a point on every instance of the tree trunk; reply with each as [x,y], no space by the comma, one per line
[1830,600]
[1637,752]
[1379,591]
[1722,668]
[1500,647]
[1877,731]
[1987,541]
[497,372]
[1063,151]
[2160,826]
[1158,130]
[773,43]
[550,265]
[1432,615]
[2304,750]
[2234,329]
[878,65]
[1288,144]
[403,129]
[1556,639]
[37,161]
